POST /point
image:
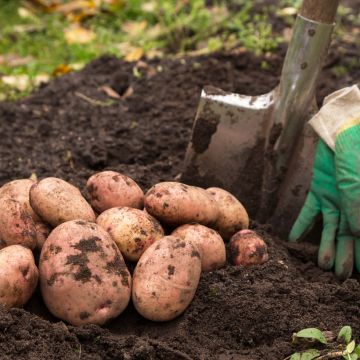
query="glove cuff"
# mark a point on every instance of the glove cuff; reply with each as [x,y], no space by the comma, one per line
[348,137]
[339,112]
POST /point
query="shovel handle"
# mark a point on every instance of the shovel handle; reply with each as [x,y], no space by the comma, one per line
[323,11]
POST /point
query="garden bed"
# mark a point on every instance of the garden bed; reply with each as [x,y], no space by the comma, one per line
[70,128]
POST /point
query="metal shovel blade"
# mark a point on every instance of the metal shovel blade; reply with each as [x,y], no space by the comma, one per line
[260,148]
[228,143]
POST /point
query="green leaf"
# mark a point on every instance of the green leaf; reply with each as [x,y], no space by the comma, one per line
[312,333]
[357,350]
[345,333]
[352,356]
[295,356]
[310,354]
[350,347]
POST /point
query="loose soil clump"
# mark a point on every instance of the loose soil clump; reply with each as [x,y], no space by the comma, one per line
[71,129]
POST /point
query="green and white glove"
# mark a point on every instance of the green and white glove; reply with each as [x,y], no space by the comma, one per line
[336,183]
[336,246]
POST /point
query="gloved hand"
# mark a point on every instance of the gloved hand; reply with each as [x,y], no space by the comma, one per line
[347,164]
[336,245]
[335,188]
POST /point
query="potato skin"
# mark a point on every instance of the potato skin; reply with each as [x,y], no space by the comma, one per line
[18,222]
[176,204]
[232,214]
[83,276]
[56,201]
[16,225]
[18,276]
[110,189]
[166,278]
[210,244]
[248,248]
[133,230]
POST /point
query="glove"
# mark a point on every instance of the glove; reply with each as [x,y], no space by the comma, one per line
[336,245]
[347,164]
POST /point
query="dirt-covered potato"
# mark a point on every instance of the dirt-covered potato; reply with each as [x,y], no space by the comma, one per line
[20,224]
[110,189]
[232,214]
[210,244]
[248,248]
[16,225]
[56,201]
[133,230]
[176,204]
[83,276]
[18,276]
[166,278]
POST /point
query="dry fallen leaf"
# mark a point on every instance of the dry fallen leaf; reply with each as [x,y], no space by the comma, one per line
[134,28]
[61,70]
[26,13]
[33,177]
[128,92]
[14,60]
[19,82]
[287,11]
[76,6]
[40,79]
[110,92]
[76,34]
[134,55]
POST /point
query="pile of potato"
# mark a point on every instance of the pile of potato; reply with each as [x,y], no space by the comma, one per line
[82,272]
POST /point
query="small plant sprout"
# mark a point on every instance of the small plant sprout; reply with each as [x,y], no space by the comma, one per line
[330,347]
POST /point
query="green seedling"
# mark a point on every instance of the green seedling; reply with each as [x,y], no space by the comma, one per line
[342,347]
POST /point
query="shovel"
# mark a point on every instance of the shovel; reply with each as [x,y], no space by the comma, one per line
[260,148]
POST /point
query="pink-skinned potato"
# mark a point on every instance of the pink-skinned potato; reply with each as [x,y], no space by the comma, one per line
[166,278]
[233,217]
[248,248]
[56,201]
[210,244]
[83,276]
[110,189]
[18,276]
[175,204]
[16,225]
[17,194]
[133,230]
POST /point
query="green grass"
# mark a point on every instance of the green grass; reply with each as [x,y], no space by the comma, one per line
[157,27]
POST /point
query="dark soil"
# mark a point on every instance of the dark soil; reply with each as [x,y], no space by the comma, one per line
[237,313]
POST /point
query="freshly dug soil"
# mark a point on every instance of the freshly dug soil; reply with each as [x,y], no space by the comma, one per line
[70,129]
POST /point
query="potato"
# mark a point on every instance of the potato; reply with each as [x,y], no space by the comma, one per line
[18,227]
[210,244]
[248,248]
[176,204]
[166,278]
[132,229]
[83,277]
[56,201]
[110,189]
[232,214]
[18,276]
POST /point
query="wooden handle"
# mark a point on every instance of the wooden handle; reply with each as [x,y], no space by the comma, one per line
[323,11]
